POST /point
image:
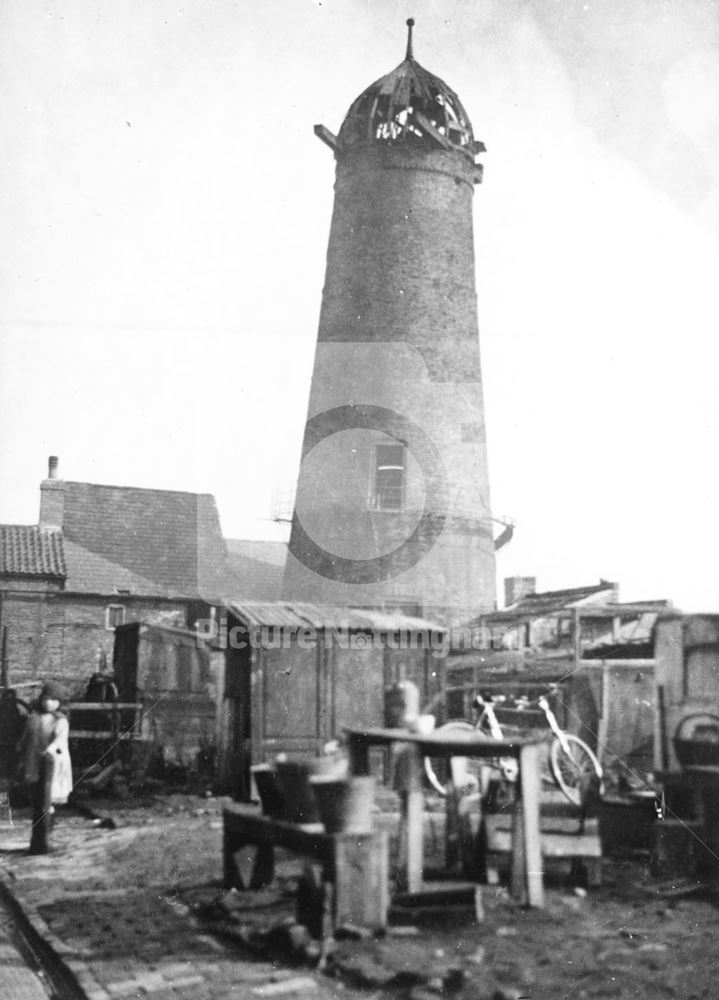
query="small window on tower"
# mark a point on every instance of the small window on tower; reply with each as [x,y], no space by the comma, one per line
[389,477]
[114,616]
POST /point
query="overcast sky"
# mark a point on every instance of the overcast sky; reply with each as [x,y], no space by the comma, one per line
[164,217]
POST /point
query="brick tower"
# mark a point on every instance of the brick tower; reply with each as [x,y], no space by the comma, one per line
[392,506]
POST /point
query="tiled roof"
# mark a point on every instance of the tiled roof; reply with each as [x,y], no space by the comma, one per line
[93,573]
[27,551]
[257,569]
[155,542]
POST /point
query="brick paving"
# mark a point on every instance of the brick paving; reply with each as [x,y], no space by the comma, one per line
[121,939]
[17,980]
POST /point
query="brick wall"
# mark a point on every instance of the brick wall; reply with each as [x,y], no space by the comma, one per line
[63,636]
[398,344]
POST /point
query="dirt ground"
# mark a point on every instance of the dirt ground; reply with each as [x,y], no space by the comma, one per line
[636,936]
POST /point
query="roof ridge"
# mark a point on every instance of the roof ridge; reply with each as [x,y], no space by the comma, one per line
[137,489]
[604,585]
[260,541]
[34,527]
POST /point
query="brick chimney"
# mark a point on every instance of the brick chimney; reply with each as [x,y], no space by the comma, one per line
[516,587]
[52,497]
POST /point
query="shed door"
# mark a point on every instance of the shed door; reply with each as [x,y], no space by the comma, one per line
[291,693]
[358,676]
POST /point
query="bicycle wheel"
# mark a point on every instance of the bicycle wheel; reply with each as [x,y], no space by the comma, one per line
[574,767]
[437,770]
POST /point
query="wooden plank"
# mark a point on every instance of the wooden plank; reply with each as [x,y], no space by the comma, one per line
[442,745]
[553,845]
[108,706]
[307,838]
[100,734]
[518,870]
[439,893]
[566,825]
[638,664]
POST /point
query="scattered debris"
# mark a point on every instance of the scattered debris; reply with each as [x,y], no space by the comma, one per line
[510,993]
[630,932]
[352,933]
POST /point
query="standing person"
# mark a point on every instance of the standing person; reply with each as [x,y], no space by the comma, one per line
[44,764]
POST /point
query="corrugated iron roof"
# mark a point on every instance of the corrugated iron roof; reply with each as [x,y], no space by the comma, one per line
[547,602]
[319,616]
[28,551]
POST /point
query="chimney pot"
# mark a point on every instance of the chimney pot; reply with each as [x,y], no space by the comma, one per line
[52,498]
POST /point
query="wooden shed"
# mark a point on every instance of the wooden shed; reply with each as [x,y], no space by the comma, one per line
[296,674]
[687,689]
[168,672]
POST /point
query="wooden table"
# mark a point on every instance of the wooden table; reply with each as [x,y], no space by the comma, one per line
[355,864]
[526,879]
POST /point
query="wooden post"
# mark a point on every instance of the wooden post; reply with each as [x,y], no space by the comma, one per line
[576,637]
[115,729]
[529,761]
[358,755]
[415,818]
[361,894]
[5,674]
[605,712]
[453,854]
[518,876]
[661,750]
[527,880]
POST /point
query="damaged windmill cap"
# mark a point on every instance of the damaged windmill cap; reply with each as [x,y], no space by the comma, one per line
[409,105]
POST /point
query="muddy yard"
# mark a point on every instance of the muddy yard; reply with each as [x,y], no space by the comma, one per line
[636,936]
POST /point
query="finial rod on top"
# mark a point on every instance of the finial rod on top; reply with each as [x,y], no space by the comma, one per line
[410,25]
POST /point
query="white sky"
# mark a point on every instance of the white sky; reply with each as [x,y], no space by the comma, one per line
[164,214]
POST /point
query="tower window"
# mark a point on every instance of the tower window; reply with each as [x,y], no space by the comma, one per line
[114,616]
[389,477]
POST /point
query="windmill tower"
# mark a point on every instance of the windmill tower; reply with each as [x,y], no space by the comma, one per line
[392,504]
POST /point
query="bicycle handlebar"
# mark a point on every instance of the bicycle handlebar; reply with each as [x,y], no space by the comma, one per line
[521,702]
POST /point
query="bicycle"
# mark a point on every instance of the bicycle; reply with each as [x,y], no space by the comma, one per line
[572,764]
